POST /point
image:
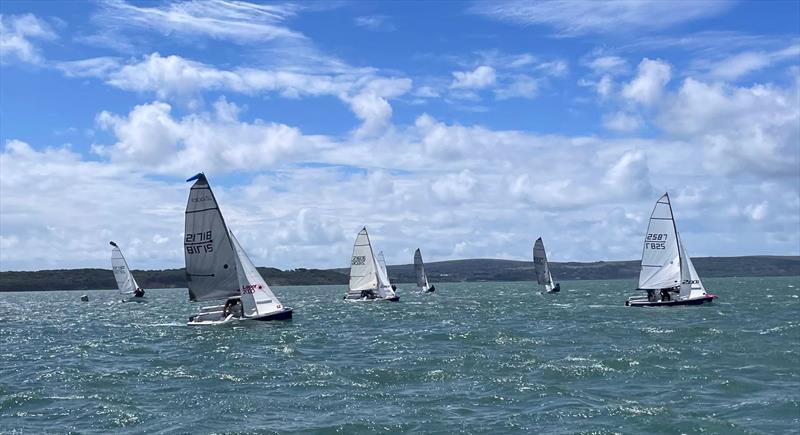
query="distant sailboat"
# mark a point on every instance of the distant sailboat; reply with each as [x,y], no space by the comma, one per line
[542,268]
[218,268]
[368,278]
[126,283]
[385,273]
[666,267]
[422,277]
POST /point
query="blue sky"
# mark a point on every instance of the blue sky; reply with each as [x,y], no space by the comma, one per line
[467,129]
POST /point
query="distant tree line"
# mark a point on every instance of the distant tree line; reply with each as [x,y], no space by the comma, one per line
[442,271]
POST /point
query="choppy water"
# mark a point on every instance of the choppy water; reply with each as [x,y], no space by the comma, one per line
[472,358]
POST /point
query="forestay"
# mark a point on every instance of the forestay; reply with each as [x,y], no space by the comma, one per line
[363,275]
[541,267]
[125,280]
[210,259]
[660,254]
[257,297]
[419,270]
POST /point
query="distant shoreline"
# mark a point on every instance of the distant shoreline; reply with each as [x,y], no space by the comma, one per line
[471,270]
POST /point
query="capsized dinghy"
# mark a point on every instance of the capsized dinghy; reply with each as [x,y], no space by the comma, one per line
[218,268]
[126,283]
[422,277]
[667,273]
[542,268]
[368,281]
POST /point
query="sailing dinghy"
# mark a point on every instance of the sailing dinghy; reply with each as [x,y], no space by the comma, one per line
[419,271]
[542,268]
[385,276]
[368,278]
[126,283]
[218,268]
[667,272]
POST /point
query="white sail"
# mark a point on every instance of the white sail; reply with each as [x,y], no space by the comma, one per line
[126,283]
[257,297]
[419,271]
[691,286]
[363,273]
[541,267]
[660,255]
[383,274]
[210,259]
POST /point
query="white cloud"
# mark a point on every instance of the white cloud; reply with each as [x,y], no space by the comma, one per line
[521,86]
[175,77]
[608,65]
[236,21]
[375,23]
[454,188]
[151,136]
[480,78]
[575,18]
[646,88]
[741,64]
[622,121]
[740,129]
[16,35]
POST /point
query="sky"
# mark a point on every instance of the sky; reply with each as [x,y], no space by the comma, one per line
[466,129]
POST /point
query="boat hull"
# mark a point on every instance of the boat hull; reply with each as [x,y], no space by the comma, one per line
[391,299]
[693,301]
[135,299]
[207,319]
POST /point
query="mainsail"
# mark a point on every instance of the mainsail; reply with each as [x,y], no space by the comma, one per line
[257,297]
[419,270]
[661,258]
[210,258]
[125,280]
[541,267]
[363,273]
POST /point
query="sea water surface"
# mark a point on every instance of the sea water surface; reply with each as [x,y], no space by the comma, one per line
[471,358]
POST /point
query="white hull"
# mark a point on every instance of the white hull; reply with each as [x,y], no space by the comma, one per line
[211,316]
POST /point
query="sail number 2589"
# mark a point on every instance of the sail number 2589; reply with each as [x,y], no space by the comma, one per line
[656,241]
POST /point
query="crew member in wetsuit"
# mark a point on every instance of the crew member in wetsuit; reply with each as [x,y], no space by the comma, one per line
[665,295]
[138,293]
[557,288]
[431,289]
[232,307]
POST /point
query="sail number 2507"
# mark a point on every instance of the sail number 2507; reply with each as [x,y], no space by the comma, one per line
[656,241]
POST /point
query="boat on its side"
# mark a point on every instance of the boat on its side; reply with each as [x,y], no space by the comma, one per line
[542,269]
[368,279]
[126,283]
[667,273]
[217,268]
[422,278]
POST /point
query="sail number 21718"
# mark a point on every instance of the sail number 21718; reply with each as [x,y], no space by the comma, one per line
[656,241]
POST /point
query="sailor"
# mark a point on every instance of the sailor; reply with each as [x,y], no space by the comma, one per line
[665,295]
[557,288]
[431,289]
[138,293]
[651,295]
[233,307]
[367,294]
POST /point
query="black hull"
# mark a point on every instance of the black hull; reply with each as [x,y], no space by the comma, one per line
[286,314]
[695,301]
[394,299]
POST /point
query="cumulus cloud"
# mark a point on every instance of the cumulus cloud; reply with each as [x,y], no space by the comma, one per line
[752,129]
[479,78]
[174,77]
[646,88]
[17,33]
[622,121]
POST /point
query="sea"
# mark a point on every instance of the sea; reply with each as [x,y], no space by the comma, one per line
[489,357]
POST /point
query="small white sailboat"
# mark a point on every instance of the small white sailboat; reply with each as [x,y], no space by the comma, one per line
[368,278]
[218,268]
[384,271]
[542,268]
[667,273]
[422,277]
[126,283]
